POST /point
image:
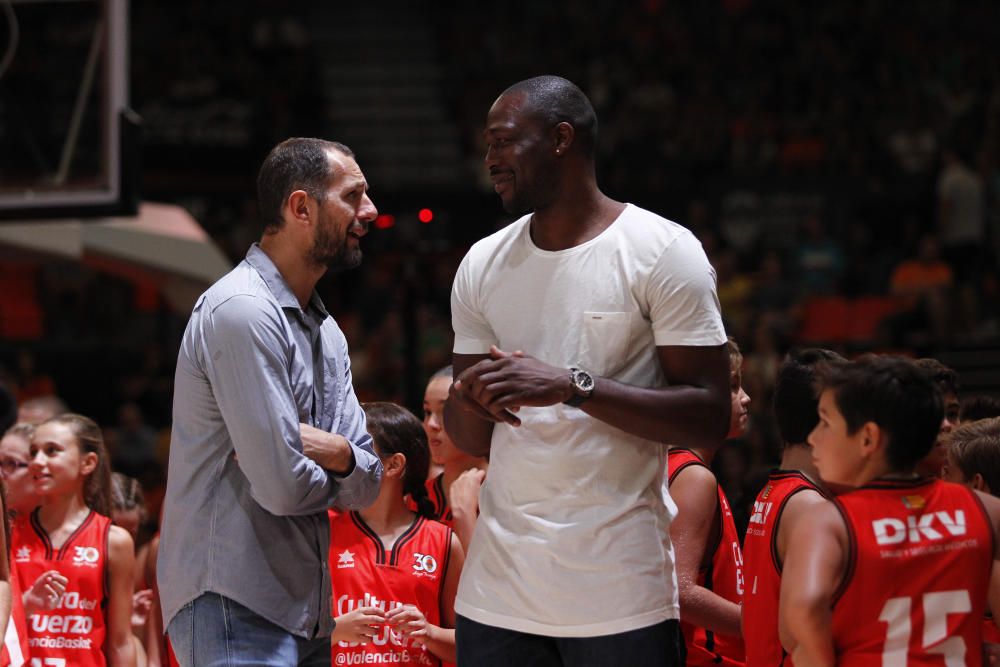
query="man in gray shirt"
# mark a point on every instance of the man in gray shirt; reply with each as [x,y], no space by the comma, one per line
[267,431]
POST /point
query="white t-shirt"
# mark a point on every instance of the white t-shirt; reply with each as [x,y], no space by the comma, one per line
[572,538]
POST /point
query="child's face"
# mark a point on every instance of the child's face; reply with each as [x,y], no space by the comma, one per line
[952,473]
[739,415]
[836,453]
[442,448]
[57,461]
[15,457]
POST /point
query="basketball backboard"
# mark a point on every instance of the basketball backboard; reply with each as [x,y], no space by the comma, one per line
[68,144]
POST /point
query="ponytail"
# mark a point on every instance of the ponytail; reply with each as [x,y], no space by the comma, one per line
[396,431]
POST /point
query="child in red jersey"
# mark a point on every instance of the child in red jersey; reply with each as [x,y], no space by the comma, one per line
[709,559]
[789,496]
[896,571]
[80,606]
[455,491]
[394,572]
[973,460]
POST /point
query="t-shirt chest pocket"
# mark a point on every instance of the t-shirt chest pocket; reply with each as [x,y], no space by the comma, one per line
[604,341]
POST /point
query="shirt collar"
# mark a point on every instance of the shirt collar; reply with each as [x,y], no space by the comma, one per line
[275,282]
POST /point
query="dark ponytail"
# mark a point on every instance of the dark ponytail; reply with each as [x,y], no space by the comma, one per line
[396,431]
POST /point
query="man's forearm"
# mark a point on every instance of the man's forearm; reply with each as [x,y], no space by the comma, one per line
[681,415]
[472,434]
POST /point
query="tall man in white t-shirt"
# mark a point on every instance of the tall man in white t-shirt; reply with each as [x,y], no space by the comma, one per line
[587,333]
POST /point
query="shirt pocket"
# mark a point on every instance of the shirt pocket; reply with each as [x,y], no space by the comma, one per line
[604,341]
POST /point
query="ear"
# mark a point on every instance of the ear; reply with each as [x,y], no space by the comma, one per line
[872,438]
[88,463]
[979,484]
[395,465]
[564,134]
[298,206]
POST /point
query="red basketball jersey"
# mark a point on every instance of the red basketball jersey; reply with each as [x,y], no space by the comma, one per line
[990,632]
[724,576]
[762,569]
[75,630]
[14,651]
[366,573]
[917,575]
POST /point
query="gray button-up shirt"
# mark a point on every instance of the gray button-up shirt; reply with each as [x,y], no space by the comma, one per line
[245,511]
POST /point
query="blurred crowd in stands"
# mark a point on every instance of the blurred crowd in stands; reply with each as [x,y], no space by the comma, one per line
[840,163]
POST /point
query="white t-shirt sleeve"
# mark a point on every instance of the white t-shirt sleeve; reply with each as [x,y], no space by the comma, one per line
[473,334]
[683,304]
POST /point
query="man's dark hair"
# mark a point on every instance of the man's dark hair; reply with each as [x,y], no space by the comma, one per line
[554,100]
[299,163]
[979,407]
[945,378]
[894,393]
[975,448]
[795,400]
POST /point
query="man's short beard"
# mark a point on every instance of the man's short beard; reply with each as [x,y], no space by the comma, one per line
[342,258]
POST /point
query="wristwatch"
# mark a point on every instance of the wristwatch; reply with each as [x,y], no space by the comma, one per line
[582,384]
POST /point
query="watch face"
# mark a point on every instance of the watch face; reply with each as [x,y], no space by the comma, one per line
[583,380]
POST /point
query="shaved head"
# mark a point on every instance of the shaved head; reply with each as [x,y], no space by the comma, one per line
[554,100]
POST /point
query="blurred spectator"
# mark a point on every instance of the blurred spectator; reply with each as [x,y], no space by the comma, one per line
[979,407]
[31,383]
[41,408]
[819,258]
[921,284]
[133,443]
[961,215]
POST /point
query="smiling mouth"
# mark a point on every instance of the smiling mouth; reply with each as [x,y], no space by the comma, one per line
[500,180]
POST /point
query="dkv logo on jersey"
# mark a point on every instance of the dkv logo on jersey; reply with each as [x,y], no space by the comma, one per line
[86,556]
[930,527]
[424,565]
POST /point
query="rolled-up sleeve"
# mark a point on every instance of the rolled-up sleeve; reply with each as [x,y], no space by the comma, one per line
[247,366]
[359,487]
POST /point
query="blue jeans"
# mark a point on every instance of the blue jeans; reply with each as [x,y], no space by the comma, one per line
[214,631]
[479,645]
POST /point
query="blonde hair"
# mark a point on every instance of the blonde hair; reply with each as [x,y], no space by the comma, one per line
[735,356]
[975,449]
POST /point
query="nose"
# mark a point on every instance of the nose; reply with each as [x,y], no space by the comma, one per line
[490,158]
[744,398]
[367,211]
[37,461]
[433,423]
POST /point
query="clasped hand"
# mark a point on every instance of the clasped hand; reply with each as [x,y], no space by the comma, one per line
[330,450]
[495,388]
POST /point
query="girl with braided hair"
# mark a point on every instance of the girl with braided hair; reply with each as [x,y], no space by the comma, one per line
[394,570]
